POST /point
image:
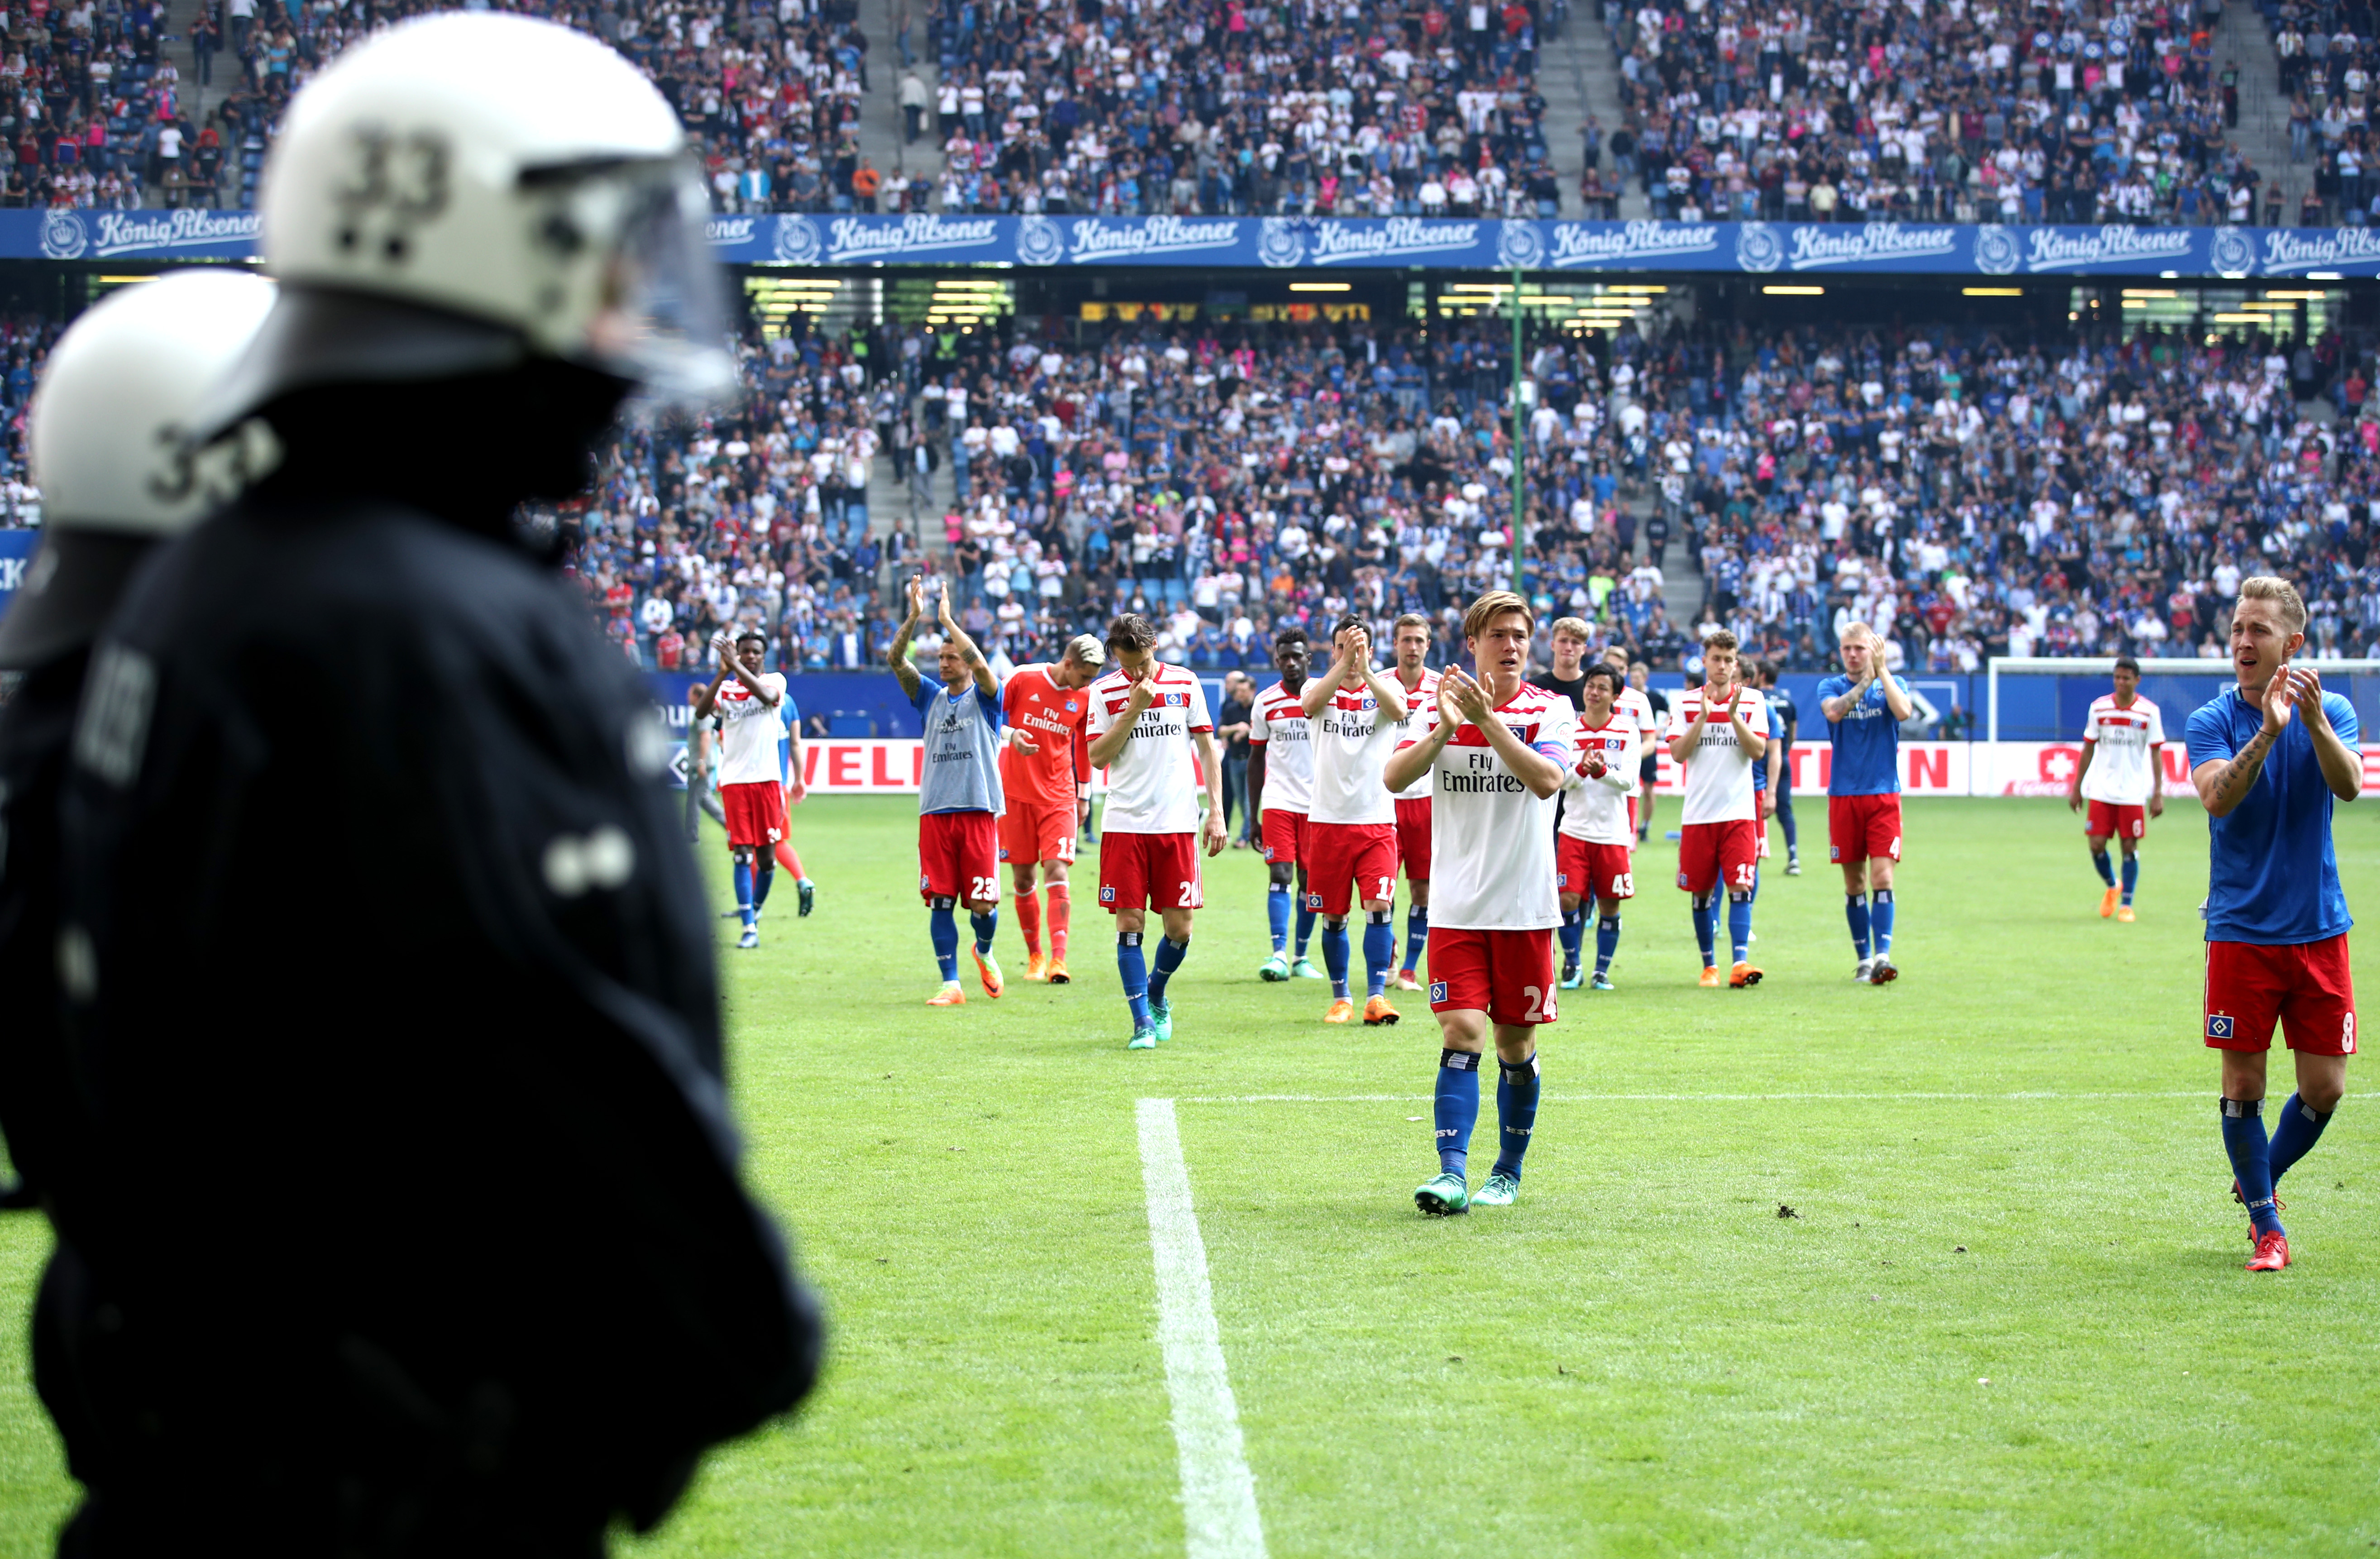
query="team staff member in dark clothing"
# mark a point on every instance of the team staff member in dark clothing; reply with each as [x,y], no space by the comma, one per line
[114,480]
[1782,793]
[477,1275]
[1232,730]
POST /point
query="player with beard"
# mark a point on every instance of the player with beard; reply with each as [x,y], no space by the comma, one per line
[750,711]
[960,799]
[1496,750]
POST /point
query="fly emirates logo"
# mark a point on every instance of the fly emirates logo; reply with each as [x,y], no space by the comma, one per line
[1482,773]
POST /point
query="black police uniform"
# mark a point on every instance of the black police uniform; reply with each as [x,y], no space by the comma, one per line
[401,1020]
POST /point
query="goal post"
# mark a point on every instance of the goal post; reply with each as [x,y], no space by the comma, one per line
[2034,706]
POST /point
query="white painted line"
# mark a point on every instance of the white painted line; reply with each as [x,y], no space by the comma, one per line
[1669,1097]
[1219,1495]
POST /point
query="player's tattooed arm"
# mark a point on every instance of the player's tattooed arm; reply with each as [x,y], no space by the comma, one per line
[897,653]
[2223,782]
[984,679]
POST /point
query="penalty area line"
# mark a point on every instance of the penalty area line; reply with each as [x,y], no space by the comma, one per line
[1677,1097]
[1218,1494]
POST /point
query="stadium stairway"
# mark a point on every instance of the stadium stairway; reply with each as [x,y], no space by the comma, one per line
[1591,66]
[1562,81]
[879,132]
[2263,134]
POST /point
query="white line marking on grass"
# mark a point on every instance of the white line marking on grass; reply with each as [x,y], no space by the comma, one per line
[1219,1495]
[1669,1098]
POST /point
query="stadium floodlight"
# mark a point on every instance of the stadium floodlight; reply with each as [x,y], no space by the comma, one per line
[2177,685]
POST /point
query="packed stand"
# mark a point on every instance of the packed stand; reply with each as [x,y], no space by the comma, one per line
[2328,55]
[1967,496]
[773,93]
[25,342]
[1943,111]
[1318,107]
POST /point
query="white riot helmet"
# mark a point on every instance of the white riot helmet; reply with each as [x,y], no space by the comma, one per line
[109,430]
[467,192]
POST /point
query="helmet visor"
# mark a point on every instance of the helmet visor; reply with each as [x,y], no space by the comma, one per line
[630,240]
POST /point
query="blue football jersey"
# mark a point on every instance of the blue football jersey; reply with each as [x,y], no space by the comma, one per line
[2272,876]
[1867,741]
[1760,764]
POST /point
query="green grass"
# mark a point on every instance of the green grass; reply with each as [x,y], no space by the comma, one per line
[1640,1358]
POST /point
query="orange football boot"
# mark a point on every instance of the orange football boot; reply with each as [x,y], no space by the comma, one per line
[1742,976]
[1377,1011]
[1342,1010]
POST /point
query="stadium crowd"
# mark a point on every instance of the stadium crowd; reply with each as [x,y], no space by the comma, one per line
[2109,111]
[1968,494]
[1322,107]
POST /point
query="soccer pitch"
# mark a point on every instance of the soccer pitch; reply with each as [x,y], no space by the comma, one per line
[2006,1315]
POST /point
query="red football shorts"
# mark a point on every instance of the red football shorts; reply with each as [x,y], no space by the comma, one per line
[1863,828]
[1508,975]
[2106,820]
[1034,830]
[1413,838]
[1713,855]
[756,813]
[1593,871]
[1348,862]
[1150,871]
[1284,836]
[2305,987]
[958,856]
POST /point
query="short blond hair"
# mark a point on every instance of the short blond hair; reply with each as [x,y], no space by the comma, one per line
[1574,627]
[1084,649]
[2283,595]
[1493,605]
[1413,619]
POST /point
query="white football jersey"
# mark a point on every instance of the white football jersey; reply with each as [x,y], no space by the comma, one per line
[1634,708]
[1719,771]
[1351,743]
[2124,751]
[1597,809]
[749,731]
[1492,842]
[1421,704]
[1153,784]
[1280,722]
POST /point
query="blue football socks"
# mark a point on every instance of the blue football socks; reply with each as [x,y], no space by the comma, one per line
[2299,1129]
[1379,950]
[743,891]
[1706,929]
[1516,1112]
[1335,953]
[2244,1140]
[2106,868]
[946,939]
[1133,969]
[764,878]
[1416,935]
[1305,918]
[1855,911]
[2131,876]
[1169,954]
[1457,1108]
[1738,927]
[1574,933]
[987,926]
[1607,943]
[1880,915]
[1277,905]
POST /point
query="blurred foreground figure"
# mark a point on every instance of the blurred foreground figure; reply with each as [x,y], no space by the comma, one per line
[389,966]
[116,399]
